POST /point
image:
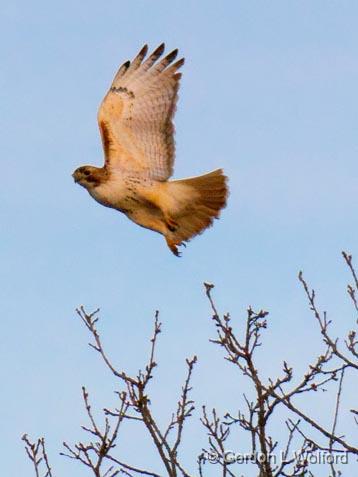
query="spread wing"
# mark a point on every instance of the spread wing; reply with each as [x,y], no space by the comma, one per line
[135,117]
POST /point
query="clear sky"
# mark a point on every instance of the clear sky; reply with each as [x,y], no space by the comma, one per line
[269,93]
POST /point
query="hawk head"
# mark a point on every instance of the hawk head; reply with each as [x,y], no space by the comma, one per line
[90,176]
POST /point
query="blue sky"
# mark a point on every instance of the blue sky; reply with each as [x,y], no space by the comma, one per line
[269,93]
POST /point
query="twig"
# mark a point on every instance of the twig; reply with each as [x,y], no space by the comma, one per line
[36,452]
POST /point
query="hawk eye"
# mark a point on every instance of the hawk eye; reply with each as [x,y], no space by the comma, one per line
[87,173]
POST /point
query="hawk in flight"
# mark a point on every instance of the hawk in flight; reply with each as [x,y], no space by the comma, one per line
[136,124]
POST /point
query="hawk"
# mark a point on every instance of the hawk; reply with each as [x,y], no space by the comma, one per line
[136,125]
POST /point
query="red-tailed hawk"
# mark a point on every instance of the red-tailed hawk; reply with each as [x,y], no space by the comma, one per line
[135,121]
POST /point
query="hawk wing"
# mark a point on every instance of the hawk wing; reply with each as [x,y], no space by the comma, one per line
[135,117]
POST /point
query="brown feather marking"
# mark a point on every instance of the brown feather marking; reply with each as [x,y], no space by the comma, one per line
[120,89]
[106,138]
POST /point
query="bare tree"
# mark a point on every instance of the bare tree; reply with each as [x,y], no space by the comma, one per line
[273,394]
[273,402]
[134,404]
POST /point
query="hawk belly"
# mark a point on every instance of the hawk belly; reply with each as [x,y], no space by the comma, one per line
[134,197]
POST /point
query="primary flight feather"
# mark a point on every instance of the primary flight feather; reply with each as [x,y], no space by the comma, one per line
[136,125]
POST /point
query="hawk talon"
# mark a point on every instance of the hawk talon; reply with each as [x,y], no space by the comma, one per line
[173,247]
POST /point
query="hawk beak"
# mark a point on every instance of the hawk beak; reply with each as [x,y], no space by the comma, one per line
[74,177]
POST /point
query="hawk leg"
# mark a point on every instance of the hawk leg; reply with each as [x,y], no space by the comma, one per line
[170,223]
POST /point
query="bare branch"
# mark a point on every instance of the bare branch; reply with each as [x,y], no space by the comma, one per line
[36,452]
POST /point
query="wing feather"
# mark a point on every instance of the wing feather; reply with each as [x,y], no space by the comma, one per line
[135,117]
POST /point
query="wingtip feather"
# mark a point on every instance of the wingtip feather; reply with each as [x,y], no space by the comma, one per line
[143,51]
[171,56]
[158,51]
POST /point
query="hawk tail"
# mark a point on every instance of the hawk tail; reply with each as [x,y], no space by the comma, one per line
[205,196]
